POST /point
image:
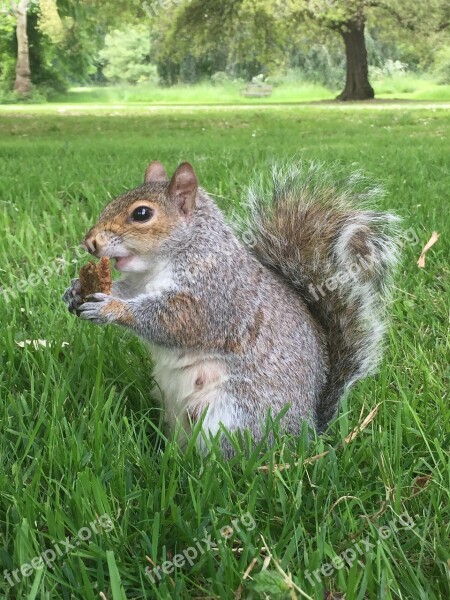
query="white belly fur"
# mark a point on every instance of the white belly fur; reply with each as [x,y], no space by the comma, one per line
[189,383]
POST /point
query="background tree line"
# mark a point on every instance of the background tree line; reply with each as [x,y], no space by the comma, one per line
[52,44]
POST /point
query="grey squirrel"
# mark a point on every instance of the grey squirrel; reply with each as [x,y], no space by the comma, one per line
[239,332]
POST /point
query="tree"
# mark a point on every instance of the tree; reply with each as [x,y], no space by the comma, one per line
[243,37]
[21,10]
[126,55]
[212,20]
[349,18]
[22,84]
[53,41]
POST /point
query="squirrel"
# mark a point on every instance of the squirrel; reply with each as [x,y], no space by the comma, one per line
[238,332]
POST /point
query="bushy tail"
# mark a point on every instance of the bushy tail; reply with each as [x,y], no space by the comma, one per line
[306,226]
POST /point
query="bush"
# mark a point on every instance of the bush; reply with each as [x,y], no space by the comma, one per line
[389,69]
[220,78]
[318,65]
[36,96]
[442,65]
[126,56]
[289,77]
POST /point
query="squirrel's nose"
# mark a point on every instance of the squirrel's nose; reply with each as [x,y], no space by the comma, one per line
[91,244]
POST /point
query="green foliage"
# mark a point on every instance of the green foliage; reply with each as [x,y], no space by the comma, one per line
[197,39]
[248,37]
[442,65]
[228,92]
[319,64]
[7,47]
[393,69]
[191,40]
[336,14]
[43,58]
[126,55]
[77,54]
[63,44]
[180,58]
[224,79]
[45,73]
[35,96]
[50,23]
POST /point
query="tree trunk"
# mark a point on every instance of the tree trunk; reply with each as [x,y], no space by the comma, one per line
[23,74]
[357,85]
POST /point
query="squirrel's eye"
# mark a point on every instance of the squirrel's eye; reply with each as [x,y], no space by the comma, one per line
[142,214]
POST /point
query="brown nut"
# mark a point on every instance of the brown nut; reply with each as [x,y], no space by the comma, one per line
[95,278]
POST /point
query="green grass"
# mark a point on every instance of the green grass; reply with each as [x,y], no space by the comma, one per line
[411,88]
[202,93]
[403,88]
[80,435]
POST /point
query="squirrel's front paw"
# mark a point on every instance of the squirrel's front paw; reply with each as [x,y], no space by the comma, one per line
[72,296]
[102,309]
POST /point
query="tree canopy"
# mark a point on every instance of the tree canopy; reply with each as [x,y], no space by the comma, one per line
[54,43]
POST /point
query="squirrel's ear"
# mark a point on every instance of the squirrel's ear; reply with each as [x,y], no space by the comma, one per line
[183,188]
[155,173]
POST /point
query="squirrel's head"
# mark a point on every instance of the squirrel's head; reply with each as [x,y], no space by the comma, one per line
[135,225]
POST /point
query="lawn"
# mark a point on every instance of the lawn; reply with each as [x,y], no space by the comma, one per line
[405,87]
[92,493]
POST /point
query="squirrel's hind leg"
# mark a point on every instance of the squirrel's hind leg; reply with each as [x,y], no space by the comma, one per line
[225,415]
[228,416]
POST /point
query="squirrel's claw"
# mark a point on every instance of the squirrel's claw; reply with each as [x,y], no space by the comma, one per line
[101,309]
[72,296]
[92,311]
[98,297]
